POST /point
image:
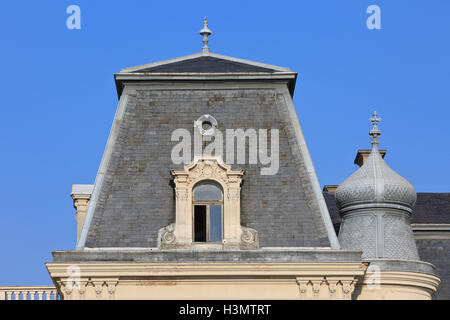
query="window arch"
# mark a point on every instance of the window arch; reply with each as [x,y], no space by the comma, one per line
[207,204]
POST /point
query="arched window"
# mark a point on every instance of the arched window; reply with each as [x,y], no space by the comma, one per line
[208,208]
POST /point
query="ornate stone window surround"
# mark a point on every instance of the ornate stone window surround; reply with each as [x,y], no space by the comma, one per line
[202,169]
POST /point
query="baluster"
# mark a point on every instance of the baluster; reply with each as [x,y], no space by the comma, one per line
[28,293]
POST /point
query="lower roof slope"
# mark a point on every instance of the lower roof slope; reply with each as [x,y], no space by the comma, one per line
[136,197]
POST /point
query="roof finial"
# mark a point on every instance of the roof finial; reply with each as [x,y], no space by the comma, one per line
[205,32]
[375,132]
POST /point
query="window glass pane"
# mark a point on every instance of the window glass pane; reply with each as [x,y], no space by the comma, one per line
[200,223]
[207,192]
[215,223]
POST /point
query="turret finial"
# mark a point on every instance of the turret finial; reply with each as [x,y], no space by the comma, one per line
[375,132]
[205,32]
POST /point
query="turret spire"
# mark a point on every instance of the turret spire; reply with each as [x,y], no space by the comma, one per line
[205,32]
[376,203]
[375,133]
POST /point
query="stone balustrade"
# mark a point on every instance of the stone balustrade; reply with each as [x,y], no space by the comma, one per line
[29,293]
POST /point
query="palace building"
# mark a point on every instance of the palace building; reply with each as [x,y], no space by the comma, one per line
[207,190]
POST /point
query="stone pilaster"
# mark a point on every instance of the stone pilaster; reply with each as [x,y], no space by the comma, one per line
[81,194]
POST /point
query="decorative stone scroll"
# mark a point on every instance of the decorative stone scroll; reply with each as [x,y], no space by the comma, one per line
[249,238]
[180,233]
[166,235]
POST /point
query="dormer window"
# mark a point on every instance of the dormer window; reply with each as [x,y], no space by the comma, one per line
[208,208]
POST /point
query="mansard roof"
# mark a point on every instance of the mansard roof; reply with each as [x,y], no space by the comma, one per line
[133,196]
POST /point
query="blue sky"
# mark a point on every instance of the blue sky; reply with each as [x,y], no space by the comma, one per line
[58,95]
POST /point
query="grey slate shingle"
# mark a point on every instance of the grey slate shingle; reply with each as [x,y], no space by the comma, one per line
[137,198]
[206,64]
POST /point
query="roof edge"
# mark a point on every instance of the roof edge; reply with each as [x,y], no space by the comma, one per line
[104,164]
[311,174]
[201,54]
[122,78]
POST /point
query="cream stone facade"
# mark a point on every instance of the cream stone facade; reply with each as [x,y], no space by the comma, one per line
[210,280]
[221,281]
[397,285]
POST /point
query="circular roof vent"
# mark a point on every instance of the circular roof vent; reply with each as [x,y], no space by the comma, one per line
[206,124]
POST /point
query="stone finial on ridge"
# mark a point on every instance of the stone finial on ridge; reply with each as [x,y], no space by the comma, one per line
[205,32]
[375,133]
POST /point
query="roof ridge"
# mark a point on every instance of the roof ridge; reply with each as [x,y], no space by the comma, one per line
[200,55]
